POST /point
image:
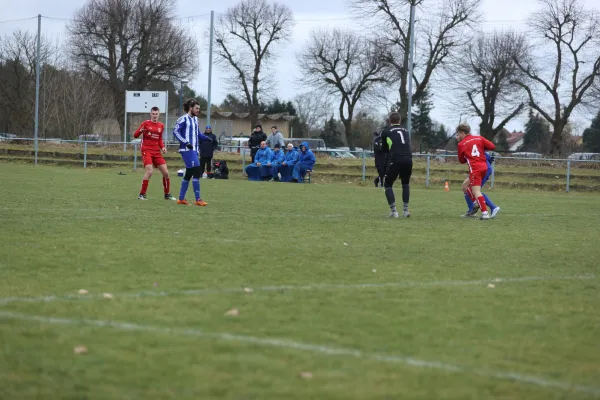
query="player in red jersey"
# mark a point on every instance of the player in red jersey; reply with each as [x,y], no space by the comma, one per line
[471,150]
[152,150]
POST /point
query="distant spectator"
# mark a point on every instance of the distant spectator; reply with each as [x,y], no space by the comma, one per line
[306,162]
[287,166]
[207,150]
[277,157]
[275,138]
[261,159]
[256,138]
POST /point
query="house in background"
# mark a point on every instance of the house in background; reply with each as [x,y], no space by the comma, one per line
[223,123]
[515,140]
[575,141]
[237,124]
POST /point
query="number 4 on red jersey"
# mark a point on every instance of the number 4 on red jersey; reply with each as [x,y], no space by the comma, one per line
[472,150]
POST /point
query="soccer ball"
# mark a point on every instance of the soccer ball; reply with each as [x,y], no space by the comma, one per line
[180,172]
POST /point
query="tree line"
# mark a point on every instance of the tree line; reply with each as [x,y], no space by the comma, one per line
[549,72]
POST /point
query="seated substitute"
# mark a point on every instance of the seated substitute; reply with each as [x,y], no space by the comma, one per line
[277,157]
[287,166]
[306,162]
[261,159]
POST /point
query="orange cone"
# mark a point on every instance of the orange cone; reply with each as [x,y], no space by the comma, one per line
[446,187]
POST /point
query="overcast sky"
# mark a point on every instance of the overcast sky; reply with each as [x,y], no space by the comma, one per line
[309,15]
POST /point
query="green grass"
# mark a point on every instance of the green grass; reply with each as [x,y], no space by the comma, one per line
[66,229]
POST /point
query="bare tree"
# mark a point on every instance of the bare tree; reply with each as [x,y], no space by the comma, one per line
[593,100]
[75,100]
[346,66]
[442,30]
[485,71]
[571,31]
[312,108]
[245,35]
[17,79]
[130,43]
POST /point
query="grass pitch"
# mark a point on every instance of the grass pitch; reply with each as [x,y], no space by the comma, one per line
[344,303]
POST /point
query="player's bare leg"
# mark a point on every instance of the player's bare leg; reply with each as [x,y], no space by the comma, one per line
[145,180]
[472,204]
[166,181]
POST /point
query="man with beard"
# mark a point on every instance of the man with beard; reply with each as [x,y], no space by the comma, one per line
[187,133]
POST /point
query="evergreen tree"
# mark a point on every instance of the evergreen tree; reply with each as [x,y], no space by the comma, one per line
[441,136]
[331,134]
[299,128]
[537,134]
[501,140]
[422,125]
[233,104]
[290,109]
[591,136]
[277,106]
[189,93]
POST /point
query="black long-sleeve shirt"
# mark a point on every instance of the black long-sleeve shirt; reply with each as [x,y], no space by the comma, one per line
[396,141]
[256,138]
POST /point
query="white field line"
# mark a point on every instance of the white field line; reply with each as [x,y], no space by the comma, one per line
[283,288]
[313,348]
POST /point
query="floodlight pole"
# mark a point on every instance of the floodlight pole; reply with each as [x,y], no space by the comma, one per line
[36,122]
[125,125]
[165,136]
[410,68]
[180,99]
[183,82]
[210,62]
[125,128]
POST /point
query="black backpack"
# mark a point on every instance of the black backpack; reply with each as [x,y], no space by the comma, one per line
[220,169]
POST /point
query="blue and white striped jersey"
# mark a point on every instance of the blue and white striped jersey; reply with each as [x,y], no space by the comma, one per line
[186,131]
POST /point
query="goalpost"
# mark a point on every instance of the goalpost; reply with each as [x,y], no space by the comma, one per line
[141,102]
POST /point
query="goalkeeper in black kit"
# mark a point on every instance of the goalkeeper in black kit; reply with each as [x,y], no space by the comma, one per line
[396,143]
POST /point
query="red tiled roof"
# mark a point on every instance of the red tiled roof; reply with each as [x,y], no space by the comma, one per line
[514,137]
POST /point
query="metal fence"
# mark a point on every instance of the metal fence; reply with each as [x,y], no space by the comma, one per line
[429,169]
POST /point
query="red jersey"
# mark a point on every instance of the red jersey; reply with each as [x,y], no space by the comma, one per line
[471,150]
[151,135]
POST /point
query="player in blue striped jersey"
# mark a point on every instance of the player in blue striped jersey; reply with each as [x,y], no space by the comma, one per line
[187,133]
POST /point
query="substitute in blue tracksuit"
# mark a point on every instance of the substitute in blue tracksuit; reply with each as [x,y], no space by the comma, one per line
[306,161]
[187,133]
[261,159]
[287,166]
[277,157]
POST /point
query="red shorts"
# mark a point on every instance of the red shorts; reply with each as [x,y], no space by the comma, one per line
[476,177]
[153,157]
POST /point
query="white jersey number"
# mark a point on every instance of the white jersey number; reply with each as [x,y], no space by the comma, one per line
[401,137]
[475,151]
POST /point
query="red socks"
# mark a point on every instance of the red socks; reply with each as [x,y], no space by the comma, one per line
[144,187]
[481,201]
[167,185]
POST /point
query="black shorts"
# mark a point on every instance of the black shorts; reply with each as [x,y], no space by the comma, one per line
[399,168]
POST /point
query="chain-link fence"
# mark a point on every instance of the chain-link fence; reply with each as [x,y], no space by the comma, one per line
[429,170]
